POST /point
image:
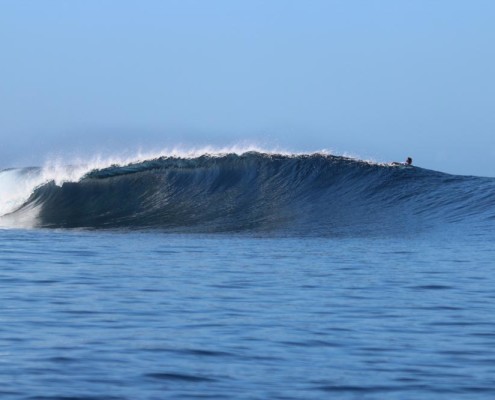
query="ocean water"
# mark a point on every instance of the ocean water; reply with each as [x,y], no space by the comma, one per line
[251,276]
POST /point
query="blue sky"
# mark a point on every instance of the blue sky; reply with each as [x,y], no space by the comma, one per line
[378,79]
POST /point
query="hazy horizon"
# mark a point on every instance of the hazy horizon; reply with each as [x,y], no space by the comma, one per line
[379,81]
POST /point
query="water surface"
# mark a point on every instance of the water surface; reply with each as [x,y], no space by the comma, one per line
[130,315]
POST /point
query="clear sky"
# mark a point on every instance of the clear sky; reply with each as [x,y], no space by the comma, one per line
[377,79]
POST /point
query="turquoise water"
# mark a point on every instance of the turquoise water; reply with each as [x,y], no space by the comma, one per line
[129,315]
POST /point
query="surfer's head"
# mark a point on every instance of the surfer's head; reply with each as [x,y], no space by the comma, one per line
[408,160]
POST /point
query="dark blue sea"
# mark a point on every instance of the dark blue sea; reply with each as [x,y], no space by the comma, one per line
[246,276]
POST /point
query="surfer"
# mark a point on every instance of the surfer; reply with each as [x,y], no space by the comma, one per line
[406,163]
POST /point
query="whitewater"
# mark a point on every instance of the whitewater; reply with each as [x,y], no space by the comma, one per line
[245,274]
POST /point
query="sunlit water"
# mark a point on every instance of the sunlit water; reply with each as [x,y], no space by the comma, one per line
[115,315]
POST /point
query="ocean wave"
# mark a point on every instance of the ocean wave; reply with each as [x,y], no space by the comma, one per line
[244,192]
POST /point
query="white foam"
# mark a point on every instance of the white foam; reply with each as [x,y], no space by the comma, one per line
[15,187]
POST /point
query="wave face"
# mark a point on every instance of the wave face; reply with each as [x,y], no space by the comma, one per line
[251,192]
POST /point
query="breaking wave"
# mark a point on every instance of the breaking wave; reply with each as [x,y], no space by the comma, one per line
[316,194]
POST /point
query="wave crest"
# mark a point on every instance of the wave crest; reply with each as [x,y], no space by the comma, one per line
[253,191]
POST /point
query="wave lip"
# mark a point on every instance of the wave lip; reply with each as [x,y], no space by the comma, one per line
[255,192]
